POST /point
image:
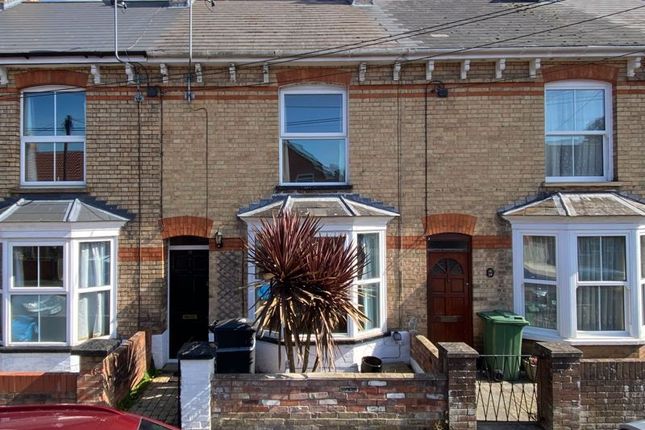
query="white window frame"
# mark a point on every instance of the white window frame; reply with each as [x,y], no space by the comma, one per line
[49,139]
[71,288]
[350,231]
[312,89]
[607,133]
[567,233]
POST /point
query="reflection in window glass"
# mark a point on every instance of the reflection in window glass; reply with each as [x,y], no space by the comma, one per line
[368,302]
[38,266]
[314,160]
[313,113]
[70,113]
[541,305]
[575,110]
[539,258]
[601,258]
[368,254]
[38,114]
[38,318]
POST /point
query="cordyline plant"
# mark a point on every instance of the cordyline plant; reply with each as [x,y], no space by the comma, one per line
[310,280]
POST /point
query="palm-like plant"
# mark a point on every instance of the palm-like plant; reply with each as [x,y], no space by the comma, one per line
[310,280]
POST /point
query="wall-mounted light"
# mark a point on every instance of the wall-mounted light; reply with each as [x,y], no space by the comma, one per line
[219,238]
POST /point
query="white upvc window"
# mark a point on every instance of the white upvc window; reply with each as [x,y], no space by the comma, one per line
[52,137]
[641,277]
[369,291]
[58,292]
[578,131]
[313,136]
[578,281]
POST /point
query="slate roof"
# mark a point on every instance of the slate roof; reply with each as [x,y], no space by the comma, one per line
[52,209]
[318,205]
[580,205]
[269,28]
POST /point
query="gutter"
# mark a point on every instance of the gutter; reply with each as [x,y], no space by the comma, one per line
[371,56]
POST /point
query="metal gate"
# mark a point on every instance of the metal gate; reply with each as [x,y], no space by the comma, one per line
[507,388]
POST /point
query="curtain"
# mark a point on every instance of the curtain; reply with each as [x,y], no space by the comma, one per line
[95,264]
[601,308]
[368,254]
[539,258]
[93,308]
[93,314]
[18,268]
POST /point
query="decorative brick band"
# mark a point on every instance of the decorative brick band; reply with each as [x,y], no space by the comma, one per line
[229,244]
[596,72]
[141,254]
[303,75]
[419,242]
[35,78]
[450,223]
[186,226]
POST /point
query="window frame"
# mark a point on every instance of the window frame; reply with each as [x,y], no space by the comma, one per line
[351,232]
[71,283]
[567,234]
[553,283]
[607,134]
[49,139]
[312,89]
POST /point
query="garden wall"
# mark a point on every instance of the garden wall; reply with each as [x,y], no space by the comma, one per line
[102,379]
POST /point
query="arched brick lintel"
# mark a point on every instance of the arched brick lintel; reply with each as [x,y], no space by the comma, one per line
[186,226]
[450,223]
[34,78]
[595,72]
[313,76]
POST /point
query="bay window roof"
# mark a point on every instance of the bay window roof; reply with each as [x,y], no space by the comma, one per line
[605,204]
[318,205]
[66,210]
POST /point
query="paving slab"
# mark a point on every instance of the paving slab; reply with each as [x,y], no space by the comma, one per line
[160,399]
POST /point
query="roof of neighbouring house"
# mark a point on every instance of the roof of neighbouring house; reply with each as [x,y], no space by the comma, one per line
[318,205]
[270,28]
[65,210]
[606,204]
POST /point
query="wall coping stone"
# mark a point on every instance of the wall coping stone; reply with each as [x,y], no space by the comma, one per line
[96,347]
[329,376]
[457,350]
[33,349]
[557,350]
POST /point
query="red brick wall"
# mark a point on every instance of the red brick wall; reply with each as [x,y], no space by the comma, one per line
[333,400]
[37,387]
[612,392]
[111,380]
[425,354]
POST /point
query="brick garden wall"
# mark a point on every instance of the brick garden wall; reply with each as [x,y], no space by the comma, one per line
[21,388]
[425,354]
[328,400]
[111,379]
[611,392]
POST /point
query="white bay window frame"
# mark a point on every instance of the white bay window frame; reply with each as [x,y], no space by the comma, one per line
[284,135]
[350,230]
[607,134]
[24,140]
[70,239]
[567,233]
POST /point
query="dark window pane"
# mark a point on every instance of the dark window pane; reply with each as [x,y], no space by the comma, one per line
[313,113]
[51,266]
[149,425]
[25,266]
[39,162]
[70,160]
[587,156]
[38,266]
[315,160]
[601,308]
[70,113]
[38,114]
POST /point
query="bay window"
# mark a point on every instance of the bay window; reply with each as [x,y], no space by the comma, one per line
[578,131]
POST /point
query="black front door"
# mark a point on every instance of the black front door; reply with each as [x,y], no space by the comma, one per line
[188,299]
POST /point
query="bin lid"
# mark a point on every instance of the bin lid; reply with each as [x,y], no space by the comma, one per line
[503,317]
[232,325]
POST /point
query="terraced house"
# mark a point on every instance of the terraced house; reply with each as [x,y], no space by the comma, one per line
[483,154]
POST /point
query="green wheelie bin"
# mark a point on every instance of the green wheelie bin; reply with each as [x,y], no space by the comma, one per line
[503,342]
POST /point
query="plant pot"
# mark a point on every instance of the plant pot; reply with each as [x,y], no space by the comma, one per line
[371,364]
[531,370]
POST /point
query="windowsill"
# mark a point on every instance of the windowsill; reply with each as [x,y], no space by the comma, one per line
[58,189]
[608,184]
[598,340]
[306,187]
[16,349]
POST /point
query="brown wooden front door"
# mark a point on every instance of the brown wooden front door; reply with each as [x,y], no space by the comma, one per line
[450,309]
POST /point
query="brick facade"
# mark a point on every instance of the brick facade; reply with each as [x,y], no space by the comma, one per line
[486,150]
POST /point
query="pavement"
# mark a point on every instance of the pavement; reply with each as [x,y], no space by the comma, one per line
[160,398]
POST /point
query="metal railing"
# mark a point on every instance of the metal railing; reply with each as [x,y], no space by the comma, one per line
[507,388]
